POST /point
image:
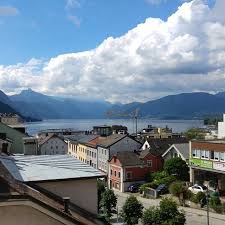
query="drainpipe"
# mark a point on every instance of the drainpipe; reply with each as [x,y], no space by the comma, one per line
[66,201]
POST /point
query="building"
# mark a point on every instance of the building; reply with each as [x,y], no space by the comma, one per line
[102,130]
[111,145]
[177,150]
[59,132]
[18,139]
[10,119]
[221,128]
[155,132]
[126,168]
[52,145]
[51,190]
[162,144]
[5,146]
[207,164]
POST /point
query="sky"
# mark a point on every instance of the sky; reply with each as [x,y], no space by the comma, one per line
[114,50]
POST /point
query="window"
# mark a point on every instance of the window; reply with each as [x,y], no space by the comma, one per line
[115,173]
[216,155]
[203,154]
[119,174]
[129,175]
[222,156]
[149,163]
[212,155]
[111,172]
[194,153]
[198,153]
[206,154]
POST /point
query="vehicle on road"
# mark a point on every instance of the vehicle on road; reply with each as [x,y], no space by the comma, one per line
[197,188]
[134,187]
[161,189]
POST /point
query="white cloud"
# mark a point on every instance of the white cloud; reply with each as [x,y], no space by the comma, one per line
[71,4]
[8,11]
[155,2]
[76,21]
[183,54]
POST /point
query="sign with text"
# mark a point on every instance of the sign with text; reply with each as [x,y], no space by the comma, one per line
[201,163]
[219,166]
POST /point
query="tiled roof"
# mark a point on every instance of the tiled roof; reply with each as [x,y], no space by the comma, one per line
[183,149]
[110,140]
[129,159]
[47,168]
[159,146]
[41,142]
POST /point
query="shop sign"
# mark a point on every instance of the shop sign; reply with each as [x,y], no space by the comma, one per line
[219,166]
[201,163]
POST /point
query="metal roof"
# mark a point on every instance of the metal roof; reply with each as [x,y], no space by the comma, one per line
[47,167]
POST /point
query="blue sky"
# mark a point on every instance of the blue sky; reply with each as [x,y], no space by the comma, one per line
[114,50]
[44,28]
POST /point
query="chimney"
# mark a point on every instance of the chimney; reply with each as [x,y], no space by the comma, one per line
[66,201]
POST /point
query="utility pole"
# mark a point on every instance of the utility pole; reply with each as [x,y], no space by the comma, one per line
[136,118]
[207,199]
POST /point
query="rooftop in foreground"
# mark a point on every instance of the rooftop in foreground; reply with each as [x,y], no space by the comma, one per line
[48,168]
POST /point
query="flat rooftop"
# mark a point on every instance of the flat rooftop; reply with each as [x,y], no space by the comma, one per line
[47,168]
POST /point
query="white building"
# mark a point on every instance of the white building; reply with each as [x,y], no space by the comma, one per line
[52,145]
[111,145]
[221,128]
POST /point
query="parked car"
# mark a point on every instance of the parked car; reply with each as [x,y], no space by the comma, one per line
[162,189]
[197,188]
[134,187]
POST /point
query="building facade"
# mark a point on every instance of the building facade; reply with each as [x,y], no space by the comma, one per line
[126,168]
[207,164]
[113,144]
[52,145]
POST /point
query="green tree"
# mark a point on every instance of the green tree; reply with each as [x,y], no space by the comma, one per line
[178,189]
[151,216]
[194,133]
[101,190]
[177,167]
[108,203]
[166,214]
[131,211]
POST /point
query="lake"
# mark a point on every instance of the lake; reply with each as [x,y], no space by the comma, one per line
[87,124]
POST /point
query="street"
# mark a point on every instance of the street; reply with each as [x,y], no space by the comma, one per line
[193,216]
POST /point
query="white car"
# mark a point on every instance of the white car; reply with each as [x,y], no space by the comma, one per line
[197,188]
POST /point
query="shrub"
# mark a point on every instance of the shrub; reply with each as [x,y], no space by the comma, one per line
[223,207]
[149,177]
[176,188]
[159,175]
[188,195]
[199,196]
[215,204]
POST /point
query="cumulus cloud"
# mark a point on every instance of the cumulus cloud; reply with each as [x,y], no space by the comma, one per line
[8,11]
[183,54]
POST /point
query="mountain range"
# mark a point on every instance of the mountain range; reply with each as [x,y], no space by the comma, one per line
[36,106]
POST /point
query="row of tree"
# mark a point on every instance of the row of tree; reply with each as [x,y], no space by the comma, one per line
[166,213]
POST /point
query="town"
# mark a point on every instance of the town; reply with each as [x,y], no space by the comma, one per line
[67,173]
